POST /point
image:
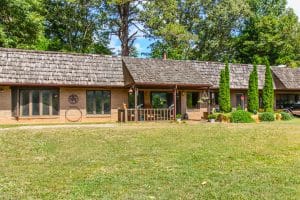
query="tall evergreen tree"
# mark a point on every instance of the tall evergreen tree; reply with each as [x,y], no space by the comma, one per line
[253,94]
[268,90]
[224,90]
[227,97]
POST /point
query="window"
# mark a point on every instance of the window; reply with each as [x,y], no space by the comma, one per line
[98,102]
[240,101]
[286,100]
[39,102]
[192,99]
[161,99]
[140,99]
[214,98]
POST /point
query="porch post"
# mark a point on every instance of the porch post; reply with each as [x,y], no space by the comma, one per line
[136,93]
[209,101]
[18,104]
[175,101]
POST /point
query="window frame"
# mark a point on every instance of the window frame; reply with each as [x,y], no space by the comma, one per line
[40,102]
[197,106]
[94,103]
[167,104]
[243,102]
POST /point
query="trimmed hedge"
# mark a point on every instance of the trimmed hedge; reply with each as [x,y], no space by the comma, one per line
[286,116]
[266,117]
[241,116]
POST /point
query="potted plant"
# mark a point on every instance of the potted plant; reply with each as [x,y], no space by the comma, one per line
[212,118]
[178,117]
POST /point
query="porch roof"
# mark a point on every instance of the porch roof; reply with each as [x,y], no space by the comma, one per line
[290,78]
[157,72]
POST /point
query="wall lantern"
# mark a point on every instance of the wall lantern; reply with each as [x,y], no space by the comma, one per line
[205,96]
[130,91]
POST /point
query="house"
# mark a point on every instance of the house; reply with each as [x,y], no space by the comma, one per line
[38,86]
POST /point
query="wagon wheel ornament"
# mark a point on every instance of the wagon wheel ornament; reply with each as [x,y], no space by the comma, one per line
[73,99]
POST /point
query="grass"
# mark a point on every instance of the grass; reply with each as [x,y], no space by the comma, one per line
[152,161]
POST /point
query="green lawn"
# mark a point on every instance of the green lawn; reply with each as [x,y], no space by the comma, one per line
[152,161]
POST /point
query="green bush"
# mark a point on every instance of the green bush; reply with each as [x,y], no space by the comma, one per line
[213,116]
[241,116]
[267,117]
[286,116]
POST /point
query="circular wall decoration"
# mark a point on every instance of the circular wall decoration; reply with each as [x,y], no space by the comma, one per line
[73,99]
[73,114]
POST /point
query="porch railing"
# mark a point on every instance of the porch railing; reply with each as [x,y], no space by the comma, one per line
[162,114]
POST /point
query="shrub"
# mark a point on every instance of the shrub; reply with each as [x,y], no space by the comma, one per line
[241,116]
[286,116]
[178,116]
[213,116]
[266,117]
[224,117]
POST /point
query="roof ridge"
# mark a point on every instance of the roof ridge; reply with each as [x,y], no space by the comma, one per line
[192,61]
[55,52]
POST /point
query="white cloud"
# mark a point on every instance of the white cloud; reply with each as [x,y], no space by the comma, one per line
[295,4]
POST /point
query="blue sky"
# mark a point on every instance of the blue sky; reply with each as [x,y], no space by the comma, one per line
[142,44]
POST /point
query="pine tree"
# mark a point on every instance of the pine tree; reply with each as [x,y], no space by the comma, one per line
[268,90]
[222,91]
[227,88]
[253,95]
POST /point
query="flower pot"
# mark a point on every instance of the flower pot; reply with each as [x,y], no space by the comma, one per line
[212,120]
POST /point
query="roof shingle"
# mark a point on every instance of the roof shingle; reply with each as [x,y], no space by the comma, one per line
[289,77]
[53,68]
[156,71]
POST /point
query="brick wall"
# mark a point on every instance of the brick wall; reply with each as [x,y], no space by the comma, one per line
[68,112]
[5,105]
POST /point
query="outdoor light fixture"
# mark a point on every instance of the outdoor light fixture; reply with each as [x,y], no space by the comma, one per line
[1,90]
[130,91]
[205,95]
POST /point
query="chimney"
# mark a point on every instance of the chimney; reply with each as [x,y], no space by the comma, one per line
[164,55]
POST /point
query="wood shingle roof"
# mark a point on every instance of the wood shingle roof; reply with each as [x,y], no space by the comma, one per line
[25,67]
[157,71]
[53,68]
[290,78]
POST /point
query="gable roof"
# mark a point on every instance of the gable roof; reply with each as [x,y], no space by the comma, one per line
[19,67]
[164,72]
[290,78]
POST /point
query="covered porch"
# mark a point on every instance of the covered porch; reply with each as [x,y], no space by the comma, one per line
[151,102]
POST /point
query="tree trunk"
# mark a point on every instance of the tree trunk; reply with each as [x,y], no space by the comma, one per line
[124,10]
